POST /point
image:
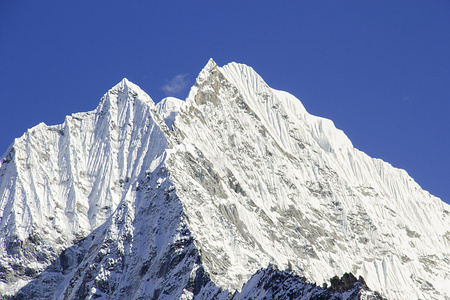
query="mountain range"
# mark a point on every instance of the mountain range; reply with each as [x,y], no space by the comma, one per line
[237,192]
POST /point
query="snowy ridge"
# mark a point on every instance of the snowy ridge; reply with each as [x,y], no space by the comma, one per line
[190,199]
[278,105]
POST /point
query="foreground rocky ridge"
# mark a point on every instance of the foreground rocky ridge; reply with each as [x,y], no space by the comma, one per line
[191,199]
[271,283]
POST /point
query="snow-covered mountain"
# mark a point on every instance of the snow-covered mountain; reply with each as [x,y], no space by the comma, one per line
[191,198]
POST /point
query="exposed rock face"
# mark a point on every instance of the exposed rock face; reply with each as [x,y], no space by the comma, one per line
[190,199]
[270,283]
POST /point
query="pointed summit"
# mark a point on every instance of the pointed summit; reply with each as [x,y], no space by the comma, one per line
[127,83]
[127,90]
[123,84]
[210,66]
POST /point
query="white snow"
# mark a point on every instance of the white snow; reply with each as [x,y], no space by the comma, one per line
[168,109]
[249,172]
[307,196]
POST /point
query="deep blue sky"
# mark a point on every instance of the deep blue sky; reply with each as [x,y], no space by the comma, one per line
[379,69]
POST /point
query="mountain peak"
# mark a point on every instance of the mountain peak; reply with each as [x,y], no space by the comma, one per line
[211,63]
[209,67]
[126,91]
[125,84]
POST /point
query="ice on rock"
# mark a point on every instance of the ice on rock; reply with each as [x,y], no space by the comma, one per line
[191,198]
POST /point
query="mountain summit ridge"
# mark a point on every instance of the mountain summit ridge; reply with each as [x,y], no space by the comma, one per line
[199,195]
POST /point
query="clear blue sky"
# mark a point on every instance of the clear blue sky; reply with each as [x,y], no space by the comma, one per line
[379,69]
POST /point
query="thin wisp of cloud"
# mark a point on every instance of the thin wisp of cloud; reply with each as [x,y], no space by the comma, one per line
[176,85]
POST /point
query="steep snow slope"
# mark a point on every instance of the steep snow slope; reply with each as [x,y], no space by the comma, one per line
[281,186]
[186,199]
